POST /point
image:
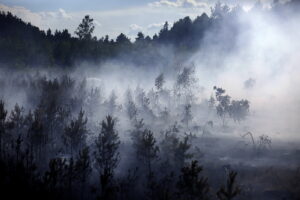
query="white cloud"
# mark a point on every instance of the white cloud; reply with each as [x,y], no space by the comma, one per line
[194,3]
[59,14]
[155,25]
[164,3]
[180,3]
[63,14]
[43,20]
[135,27]
[58,19]
[23,13]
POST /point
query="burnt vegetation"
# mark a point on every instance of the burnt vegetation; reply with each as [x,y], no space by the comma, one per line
[56,150]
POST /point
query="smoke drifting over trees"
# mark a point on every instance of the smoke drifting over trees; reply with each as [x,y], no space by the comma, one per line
[205,109]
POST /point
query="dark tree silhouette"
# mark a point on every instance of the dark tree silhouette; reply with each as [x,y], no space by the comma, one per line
[181,152]
[190,185]
[238,110]
[75,133]
[16,118]
[159,81]
[187,115]
[107,156]
[146,149]
[3,114]
[122,39]
[127,185]
[36,134]
[83,169]
[223,104]
[231,190]
[175,151]
[55,177]
[85,28]
[131,108]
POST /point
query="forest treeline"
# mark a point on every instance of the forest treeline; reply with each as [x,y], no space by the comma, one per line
[24,45]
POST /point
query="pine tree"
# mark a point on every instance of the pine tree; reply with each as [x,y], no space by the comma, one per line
[190,185]
[231,190]
[36,135]
[159,81]
[17,119]
[83,169]
[146,149]
[187,115]
[223,104]
[107,155]
[3,114]
[85,29]
[181,152]
[75,133]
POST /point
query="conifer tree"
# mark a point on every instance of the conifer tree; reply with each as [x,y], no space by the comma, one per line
[107,155]
[231,190]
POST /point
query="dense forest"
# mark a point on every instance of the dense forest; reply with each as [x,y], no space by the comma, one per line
[23,45]
[69,131]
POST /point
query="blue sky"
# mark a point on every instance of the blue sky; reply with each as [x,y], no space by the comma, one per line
[111,16]
[75,5]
